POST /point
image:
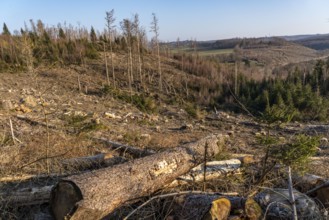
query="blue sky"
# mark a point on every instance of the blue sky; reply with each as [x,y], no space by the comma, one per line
[186,19]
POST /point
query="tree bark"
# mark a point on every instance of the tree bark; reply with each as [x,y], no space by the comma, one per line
[96,194]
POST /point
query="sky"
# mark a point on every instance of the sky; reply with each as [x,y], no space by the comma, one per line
[187,19]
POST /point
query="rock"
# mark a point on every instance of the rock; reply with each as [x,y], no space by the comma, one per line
[29,101]
[6,105]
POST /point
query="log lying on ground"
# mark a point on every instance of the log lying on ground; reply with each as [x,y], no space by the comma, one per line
[35,122]
[124,149]
[26,196]
[214,169]
[89,162]
[277,205]
[203,207]
[315,186]
[197,206]
[79,163]
[95,194]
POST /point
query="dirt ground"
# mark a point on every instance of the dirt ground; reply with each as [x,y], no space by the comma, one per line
[52,118]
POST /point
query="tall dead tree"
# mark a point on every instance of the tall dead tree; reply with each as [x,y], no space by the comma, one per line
[138,41]
[236,66]
[127,27]
[110,28]
[155,30]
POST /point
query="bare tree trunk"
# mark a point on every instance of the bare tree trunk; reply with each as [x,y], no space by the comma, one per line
[129,74]
[106,66]
[236,78]
[96,194]
[131,65]
[159,67]
[139,61]
[112,63]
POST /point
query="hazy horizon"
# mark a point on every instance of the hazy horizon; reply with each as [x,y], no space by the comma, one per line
[186,19]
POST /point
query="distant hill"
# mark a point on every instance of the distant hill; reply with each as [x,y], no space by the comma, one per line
[263,51]
[315,41]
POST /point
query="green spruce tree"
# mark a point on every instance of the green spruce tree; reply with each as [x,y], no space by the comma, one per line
[5,30]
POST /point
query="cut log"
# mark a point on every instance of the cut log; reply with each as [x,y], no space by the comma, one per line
[26,196]
[214,169]
[24,177]
[90,162]
[220,209]
[315,186]
[96,194]
[124,149]
[221,168]
[77,164]
[276,204]
[21,197]
[199,206]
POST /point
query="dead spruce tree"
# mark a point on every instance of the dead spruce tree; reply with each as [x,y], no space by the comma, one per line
[155,30]
[137,33]
[127,27]
[110,28]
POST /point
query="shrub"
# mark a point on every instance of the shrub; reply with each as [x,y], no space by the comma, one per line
[192,110]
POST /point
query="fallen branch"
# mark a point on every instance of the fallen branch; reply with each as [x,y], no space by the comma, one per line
[43,158]
[96,194]
[12,131]
[34,122]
